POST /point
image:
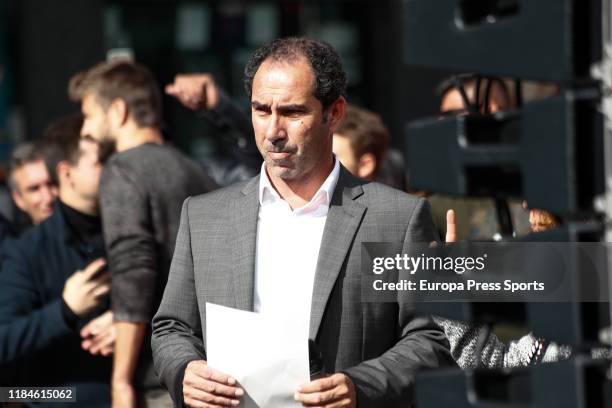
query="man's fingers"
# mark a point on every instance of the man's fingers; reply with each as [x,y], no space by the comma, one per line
[199,375]
[208,373]
[333,391]
[103,341]
[320,398]
[320,385]
[105,320]
[208,398]
[101,290]
[90,329]
[102,279]
[204,386]
[104,350]
[215,388]
[171,89]
[195,91]
[86,344]
[98,285]
[451,227]
[93,268]
[107,351]
[337,397]
[97,325]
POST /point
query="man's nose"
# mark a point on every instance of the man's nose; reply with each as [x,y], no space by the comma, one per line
[275,130]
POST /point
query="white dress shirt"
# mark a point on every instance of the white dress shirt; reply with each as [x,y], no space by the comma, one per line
[288,243]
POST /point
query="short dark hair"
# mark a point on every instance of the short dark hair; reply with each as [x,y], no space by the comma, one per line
[23,154]
[365,132]
[131,82]
[469,80]
[60,142]
[330,78]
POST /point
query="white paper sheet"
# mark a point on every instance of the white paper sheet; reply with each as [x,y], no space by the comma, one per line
[266,354]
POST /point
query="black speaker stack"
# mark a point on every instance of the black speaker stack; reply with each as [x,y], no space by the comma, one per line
[551,152]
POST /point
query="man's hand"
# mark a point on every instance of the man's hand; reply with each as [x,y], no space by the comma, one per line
[336,390]
[84,290]
[99,335]
[203,386]
[195,91]
[451,227]
[123,395]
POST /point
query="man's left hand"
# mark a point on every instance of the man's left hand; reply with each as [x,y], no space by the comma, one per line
[336,390]
[99,335]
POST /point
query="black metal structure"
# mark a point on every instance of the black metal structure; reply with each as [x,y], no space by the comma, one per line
[552,152]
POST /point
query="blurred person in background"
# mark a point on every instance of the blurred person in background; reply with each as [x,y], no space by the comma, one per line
[456,90]
[542,220]
[30,183]
[361,142]
[33,185]
[54,319]
[477,217]
[142,190]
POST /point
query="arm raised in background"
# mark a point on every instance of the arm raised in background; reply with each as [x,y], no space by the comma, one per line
[200,92]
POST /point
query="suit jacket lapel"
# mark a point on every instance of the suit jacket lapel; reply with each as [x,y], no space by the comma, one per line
[243,241]
[343,220]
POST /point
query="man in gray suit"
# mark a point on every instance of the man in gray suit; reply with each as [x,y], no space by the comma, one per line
[289,241]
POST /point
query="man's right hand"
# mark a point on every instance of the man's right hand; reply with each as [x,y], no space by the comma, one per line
[84,290]
[203,386]
[195,91]
[99,335]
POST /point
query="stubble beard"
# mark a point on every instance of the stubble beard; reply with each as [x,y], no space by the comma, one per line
[282,169]
[106,147]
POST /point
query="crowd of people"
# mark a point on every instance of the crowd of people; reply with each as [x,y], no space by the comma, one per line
[129,238]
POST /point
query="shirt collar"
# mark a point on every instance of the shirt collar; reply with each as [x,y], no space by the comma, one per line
[323,196]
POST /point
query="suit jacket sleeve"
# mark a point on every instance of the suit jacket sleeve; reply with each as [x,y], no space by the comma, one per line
[177,333]
[388,380]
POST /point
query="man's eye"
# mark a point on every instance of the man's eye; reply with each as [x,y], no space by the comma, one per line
[297,113]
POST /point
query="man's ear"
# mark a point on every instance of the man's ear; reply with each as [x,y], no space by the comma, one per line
[118,112]
[335,113]
[63,172]
[366,166]
[18,200]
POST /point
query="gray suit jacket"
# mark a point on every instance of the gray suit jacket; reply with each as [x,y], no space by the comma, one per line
[378,345]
